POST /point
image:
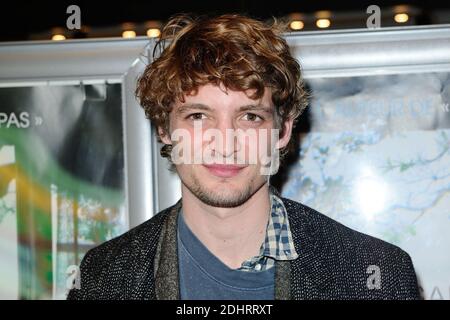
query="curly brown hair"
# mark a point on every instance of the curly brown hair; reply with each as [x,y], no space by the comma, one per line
[236,51]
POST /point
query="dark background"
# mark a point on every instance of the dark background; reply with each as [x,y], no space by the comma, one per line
[19,19]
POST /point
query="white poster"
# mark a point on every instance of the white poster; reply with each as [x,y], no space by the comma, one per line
[377,159]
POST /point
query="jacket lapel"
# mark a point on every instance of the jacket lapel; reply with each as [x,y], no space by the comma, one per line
[309,273]
[166,259]
[282,280]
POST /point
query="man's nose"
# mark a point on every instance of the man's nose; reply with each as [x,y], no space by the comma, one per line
[228,146]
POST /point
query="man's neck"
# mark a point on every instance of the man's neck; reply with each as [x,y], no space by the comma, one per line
[231,234]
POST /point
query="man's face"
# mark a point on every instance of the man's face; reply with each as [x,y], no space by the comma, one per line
[226,137]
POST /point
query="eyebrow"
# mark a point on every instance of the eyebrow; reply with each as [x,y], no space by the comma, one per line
[258,107]
[201,106]
[189,106]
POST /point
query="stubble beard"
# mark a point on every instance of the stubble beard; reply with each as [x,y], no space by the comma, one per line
[218,198]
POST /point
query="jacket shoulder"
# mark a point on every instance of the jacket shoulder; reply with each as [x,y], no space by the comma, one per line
[353,256]
[105,271]
[335,233]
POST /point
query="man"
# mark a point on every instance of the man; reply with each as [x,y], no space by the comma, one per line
[232,236]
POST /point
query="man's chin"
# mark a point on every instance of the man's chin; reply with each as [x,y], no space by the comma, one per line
[224,194]
[220,201]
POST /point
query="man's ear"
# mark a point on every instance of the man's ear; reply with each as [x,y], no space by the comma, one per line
[164,136]
[287,132]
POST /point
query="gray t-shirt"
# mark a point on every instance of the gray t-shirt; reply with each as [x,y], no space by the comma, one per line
[204,277]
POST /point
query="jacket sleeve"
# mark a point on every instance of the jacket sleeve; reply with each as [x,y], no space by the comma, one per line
[85,281]
[408,288]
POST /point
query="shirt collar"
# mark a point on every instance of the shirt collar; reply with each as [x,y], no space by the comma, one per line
[278,244]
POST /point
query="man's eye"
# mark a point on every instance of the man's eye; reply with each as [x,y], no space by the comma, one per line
[252,117]
[196,116]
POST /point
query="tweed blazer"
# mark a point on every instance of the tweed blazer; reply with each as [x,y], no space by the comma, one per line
[335,262]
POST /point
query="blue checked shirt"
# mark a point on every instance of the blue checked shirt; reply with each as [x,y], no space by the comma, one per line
[278,244]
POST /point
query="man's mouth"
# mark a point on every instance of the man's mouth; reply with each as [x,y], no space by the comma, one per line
[224,170]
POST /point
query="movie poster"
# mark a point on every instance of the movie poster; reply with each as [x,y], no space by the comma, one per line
[377,159]
[61,183]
